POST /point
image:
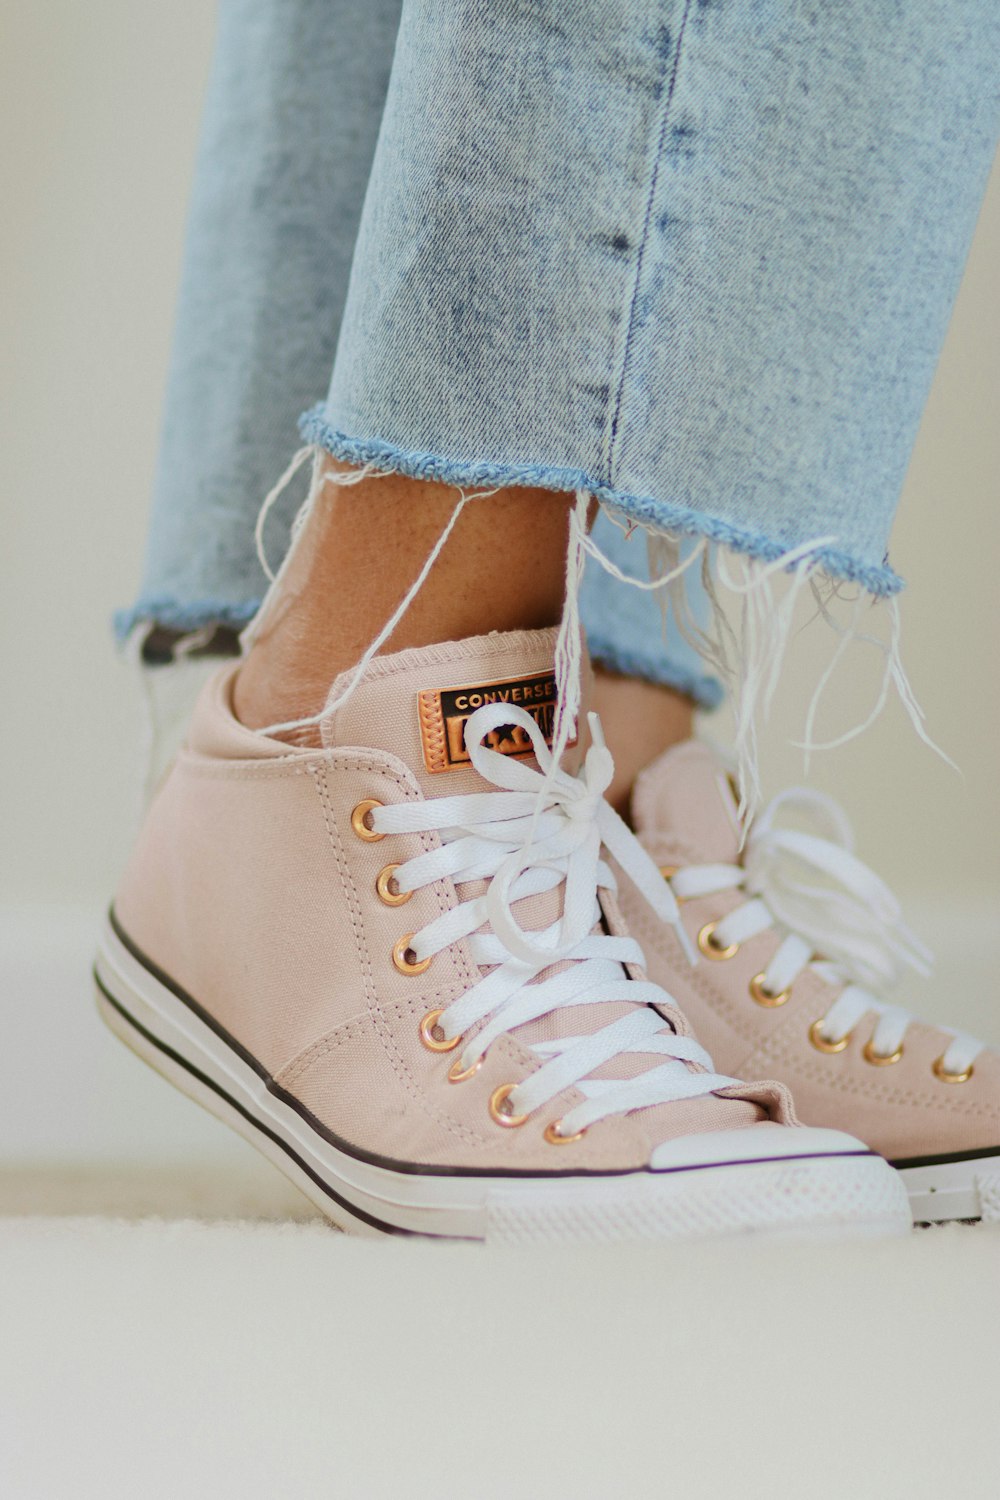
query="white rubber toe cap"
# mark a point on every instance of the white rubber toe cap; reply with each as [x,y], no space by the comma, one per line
[764,1142]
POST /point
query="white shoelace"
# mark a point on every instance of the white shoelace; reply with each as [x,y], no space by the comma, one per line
[848,914]
[540,830]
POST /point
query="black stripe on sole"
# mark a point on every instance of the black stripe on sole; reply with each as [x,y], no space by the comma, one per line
[946,1159]
[272,1135]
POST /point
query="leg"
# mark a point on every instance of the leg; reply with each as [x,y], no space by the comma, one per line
[502,568]
[291,119]
[720,316]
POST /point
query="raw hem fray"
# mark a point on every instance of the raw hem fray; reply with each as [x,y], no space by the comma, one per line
[170,614]
[660,515]
[759,575]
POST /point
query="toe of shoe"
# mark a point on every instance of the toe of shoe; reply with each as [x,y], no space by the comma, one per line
[759,1143]
[787,1180]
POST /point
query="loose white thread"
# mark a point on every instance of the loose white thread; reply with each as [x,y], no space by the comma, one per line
[319,478]
[748,654]
[269,500]
[339,480]
[569,650]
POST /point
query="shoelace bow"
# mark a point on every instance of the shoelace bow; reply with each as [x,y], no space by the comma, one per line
[824,900]
[538,830]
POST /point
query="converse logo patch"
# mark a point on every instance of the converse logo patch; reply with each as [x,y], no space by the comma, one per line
[444,712]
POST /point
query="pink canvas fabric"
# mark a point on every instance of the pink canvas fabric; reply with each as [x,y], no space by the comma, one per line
[251,890]
[684,813]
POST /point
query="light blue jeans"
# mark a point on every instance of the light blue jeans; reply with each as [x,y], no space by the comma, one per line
[696,257]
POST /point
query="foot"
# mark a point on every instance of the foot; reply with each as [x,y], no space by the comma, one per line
[765,1003]
[351,953]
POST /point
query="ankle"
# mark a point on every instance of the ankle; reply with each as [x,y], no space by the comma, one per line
[641,719]
[360,551]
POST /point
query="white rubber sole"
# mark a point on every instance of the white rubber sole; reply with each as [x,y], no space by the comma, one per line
[813,1193]
[967,1187]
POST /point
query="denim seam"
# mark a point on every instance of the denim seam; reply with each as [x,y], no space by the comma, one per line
[654,176]
[663,515]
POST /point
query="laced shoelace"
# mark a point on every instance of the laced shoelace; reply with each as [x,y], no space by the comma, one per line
[820,896]
[541,829]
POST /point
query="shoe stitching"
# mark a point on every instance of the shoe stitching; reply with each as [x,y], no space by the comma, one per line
[359,1026]
[383,1031]
[815,1073]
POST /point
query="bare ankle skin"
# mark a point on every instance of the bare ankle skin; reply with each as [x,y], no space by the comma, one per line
[641,720]
[502,568]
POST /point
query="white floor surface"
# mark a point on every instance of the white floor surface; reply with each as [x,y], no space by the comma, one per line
[174,1358]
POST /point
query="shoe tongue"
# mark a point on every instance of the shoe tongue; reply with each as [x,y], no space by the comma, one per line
[415,704]
[683,807]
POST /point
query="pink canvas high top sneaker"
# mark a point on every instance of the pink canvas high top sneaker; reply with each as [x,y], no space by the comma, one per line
[393,960]
[798,944]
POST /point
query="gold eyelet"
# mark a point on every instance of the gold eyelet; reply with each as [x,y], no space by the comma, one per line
[428,1026]
[820,1042]
[459,1075]
[880,1059]
[712,949]
[940,1071]
[383,886]
[763,996]
[499,1097]
[555,1137]
[408,965]
[359,825]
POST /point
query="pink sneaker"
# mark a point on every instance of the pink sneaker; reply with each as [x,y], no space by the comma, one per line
[764,1002]
[344,951]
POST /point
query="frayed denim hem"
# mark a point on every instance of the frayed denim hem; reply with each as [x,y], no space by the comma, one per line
[171,615]
[662,515]
[706,691]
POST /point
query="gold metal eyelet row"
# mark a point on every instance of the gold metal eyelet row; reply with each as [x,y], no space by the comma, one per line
[552,1133]
[883,1059]
[429,1027]
[388,893]
[824,1044]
